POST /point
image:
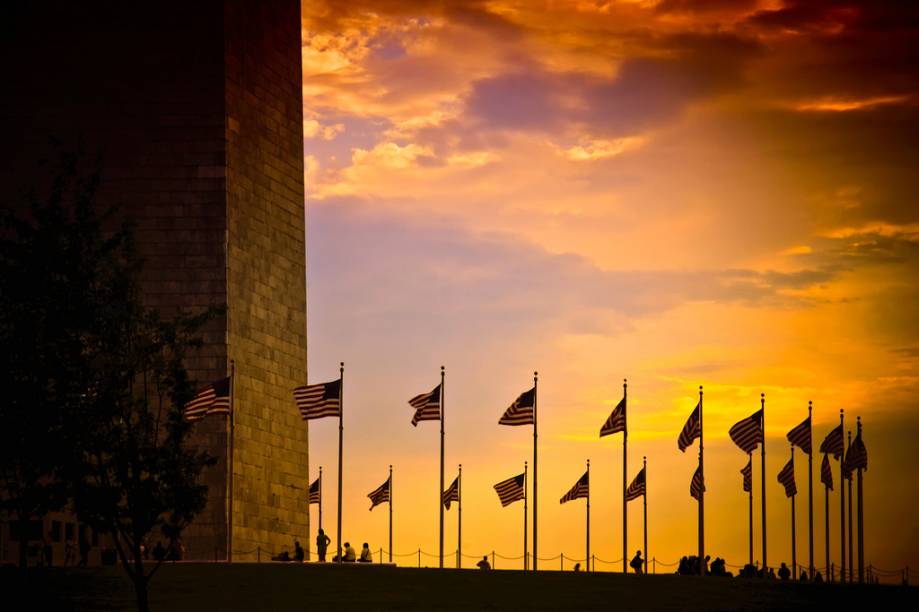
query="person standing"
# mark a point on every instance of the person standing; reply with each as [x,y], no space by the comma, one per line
[637,562]
[322,544]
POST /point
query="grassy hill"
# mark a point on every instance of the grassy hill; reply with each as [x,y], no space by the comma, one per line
[251,587]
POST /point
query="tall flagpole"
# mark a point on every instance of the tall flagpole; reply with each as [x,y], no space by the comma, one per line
[320,497]
[535,473]
[826,533]
[701,491]
[842,507]
[625,484]
[810,492]
[230,436]
[762,403]
[526,559]
[644,469]
[750,495]
[861,531]
[440,496]
[794,548]
[390,513]
[587,556]
[459,519]
[848,485]
[341,429]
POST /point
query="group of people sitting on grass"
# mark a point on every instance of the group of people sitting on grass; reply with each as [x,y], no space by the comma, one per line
[689,566]
[348,554]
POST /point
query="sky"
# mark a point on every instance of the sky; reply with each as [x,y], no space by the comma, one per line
[677,193]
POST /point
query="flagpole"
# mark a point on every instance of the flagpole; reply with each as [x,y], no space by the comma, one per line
[230,436]
[341,429]
[440,497]
[701,491]
[535,474]
[826,507]
[842,506]
[644,470]
[390,513]
[526,559]
[587,556]
[810,491]
[750,492]
[320,497]
[625,459]
[794,549]
[848,485]
[459,519]
[861,532]
[762,402]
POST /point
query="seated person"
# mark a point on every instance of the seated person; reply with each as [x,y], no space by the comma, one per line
[349,555]
[283,556]
[484,564]
[365,554]
[298,552]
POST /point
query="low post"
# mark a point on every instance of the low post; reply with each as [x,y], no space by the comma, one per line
[593,563]
[654,565]
[419,558]
[492,559]
[561,562]
[381,554]
[258,553]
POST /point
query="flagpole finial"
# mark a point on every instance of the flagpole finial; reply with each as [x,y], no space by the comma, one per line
[441,368]
[535,374]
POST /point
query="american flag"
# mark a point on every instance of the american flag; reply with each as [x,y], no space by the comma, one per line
[212,399]
[826,474]
[315,492]
[427,406]
[637,488]
[580,489]
[800,436]
[748,433]
[511,490]
[319,400]
[521,412]
[379,495]
[451,494]
[747,472]
[691,430]
[697,486]
[857,457]
[787,478]
[616,421]
[846,470]
[833,443]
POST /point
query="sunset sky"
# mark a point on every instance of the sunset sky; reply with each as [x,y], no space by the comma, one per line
[677,192]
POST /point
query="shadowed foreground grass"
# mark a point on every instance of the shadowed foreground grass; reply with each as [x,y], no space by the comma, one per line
[196,587]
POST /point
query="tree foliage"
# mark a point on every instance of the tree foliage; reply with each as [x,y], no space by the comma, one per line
[94,380]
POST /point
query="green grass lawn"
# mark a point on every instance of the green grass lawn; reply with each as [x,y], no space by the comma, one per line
[268,586]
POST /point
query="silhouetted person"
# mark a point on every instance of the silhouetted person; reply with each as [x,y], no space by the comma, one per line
[784,572]
[159,551]
[298,552]
[803,577]
[484,564]
[637,562]
[818,578]
[577,567]
[282,556]
[69,552]
[365,554]
[770,573]
[84,550]
[47,551]
[348,554]
[322,544]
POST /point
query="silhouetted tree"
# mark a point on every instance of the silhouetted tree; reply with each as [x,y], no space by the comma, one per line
[95,382]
